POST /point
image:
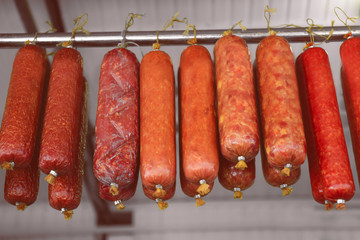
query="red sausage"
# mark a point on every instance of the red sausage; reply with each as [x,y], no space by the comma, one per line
[191,189]
[234,179]
[350,79]
[124,194]
[157,123]
[65,193]
[198,133]
[330,146]
[22,109]
[281,119]
[63,109]
[117,120]
[22,184]
[236,105]
[160,201]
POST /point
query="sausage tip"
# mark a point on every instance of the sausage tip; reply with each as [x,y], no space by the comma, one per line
[162,205]
[21,206]
[241,164]
[119,205]
[199,201]
[204,188]
[8,165]
[67,214]
[50,178]
[238,195]
[159,193]
[114,190]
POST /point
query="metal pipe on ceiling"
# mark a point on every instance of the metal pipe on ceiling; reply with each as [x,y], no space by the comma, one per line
[147,38]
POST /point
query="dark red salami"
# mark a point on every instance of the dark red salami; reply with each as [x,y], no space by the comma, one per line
[65,193]
[116,155]
[62,113]
[22,109]
[124,194]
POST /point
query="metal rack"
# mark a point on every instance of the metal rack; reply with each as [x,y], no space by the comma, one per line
[147,38]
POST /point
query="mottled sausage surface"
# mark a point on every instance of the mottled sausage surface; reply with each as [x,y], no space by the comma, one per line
[117,119]
[234,179]
[236,105]
[281,120]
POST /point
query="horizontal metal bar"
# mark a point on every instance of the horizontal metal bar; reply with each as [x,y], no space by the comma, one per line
[147,38]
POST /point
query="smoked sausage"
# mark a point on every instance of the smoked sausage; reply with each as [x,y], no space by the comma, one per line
[317,85]
[281,120]
[275,178]
[157,123]
[235,179]
[198,132]
[124,194]
[160,200]
[236,100]
[62,113]
[116,154]
[21,116]
[65,194]
[350,80]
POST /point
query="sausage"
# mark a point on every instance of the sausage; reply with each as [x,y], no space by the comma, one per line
[281,119]
[124,194]
[116,154]
[350,80]
[21,115]
[191,189]
[275,178]
[63,109]
[235,179]
[65,194]
[161,202]
[198,132]
[236,100]
[22,184]
[317,85]
[157,122]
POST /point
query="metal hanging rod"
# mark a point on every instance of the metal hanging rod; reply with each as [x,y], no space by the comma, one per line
[147,38]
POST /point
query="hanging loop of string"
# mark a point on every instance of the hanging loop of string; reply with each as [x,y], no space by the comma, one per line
[33,41]
[230,31]
[267,14]
[184,20]
[351,19]
[128,23]
[312,34]
[156,45]
[79,24]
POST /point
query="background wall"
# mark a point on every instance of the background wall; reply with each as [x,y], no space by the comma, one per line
[263,213]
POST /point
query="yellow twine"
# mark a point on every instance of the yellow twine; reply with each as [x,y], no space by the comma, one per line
[156,45]
[79,24]
[184,20]
[267,15]
[33,41]
[130,19]
[352,19]
[52,29]
[312,34]
[230,31]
